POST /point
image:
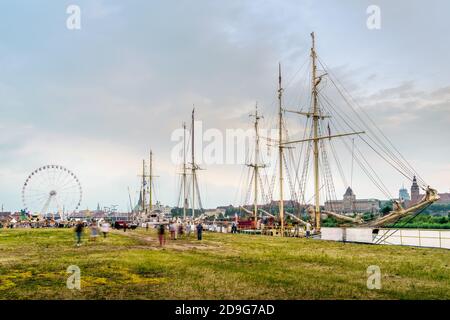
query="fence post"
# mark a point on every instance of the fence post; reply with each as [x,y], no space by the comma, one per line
[420,242]
[440,240]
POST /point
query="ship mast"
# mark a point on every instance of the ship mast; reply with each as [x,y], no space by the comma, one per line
[143,186]
[131,203]
[150,177]
[280,148]
[193,168]
[256,165]
[316,116]
[184,173]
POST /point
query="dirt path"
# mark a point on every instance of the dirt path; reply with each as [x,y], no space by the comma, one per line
[151,241]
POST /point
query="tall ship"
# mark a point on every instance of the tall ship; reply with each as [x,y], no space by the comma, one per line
[189,204]
[331,129]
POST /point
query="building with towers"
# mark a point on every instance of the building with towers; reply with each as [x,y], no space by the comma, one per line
[417,196]
[350,204]
[415,191]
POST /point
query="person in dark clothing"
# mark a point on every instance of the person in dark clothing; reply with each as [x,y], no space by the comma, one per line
[162,234]
[79,231]
[181,230]
[199,231]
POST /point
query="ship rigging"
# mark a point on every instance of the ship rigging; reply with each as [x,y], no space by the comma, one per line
[327,129]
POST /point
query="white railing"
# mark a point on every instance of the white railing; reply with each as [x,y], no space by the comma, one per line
[414,237]
[432,238]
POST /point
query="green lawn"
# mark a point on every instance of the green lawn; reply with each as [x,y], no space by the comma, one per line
[130,265]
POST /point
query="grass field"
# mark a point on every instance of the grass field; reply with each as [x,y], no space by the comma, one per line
[130,265]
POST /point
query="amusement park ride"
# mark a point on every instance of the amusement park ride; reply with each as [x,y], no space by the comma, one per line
[51,191]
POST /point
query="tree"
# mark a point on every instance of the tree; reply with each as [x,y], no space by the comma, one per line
[386,209]
[367,216]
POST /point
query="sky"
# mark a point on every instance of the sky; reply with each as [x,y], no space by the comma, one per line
[97,99]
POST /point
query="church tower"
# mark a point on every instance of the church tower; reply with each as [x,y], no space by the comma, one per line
[415,191]
[349,201]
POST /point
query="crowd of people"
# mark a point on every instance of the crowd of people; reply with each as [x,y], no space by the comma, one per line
[95,229]
[178,230]
[175,229]
[34,223]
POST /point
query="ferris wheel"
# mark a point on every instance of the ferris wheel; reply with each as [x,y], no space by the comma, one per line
[50,190]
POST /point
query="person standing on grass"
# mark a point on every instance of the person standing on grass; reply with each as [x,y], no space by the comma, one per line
[308,229]
[94,230]
[175,227]
[162,234]
[146,226]
[199,231]
[188,230]
[105,229]
[180,230]
[172,231]
[79,231]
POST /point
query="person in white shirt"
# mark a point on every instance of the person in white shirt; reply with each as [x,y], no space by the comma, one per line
[105,229]
[308,229]
[188,229]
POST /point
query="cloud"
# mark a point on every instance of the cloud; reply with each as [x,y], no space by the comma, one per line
[99,9]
